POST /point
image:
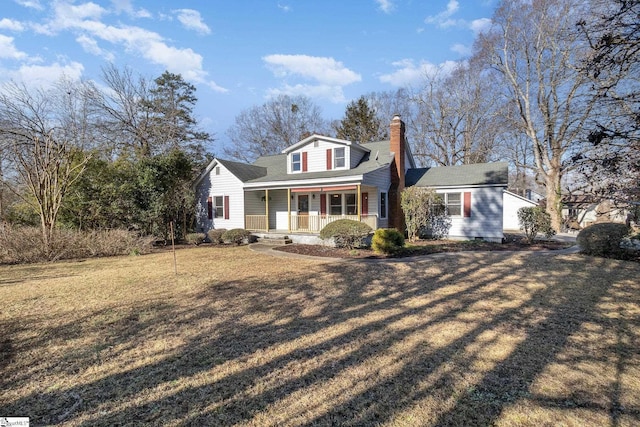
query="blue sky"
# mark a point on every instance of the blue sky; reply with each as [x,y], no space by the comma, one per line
[239,53]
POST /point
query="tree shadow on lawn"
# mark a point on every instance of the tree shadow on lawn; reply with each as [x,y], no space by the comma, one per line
[453,341]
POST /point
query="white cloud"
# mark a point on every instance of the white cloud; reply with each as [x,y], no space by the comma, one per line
[386,6]
[127,7]
[332,93]
[324,70]
[408,73]
[284,7]
[192,20]
[8,50]
[42,75]
[10,24]
[461,49]
[443,19]
[328,76]
[32,4]
[85,19]
[91,45]
[480,25]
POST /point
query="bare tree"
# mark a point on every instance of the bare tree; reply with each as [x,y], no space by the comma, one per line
[454,120]
[613,34]
[150,118]
[273,126]
[46,135]
[535,49]
[127,119]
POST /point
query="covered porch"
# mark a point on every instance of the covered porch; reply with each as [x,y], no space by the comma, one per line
[309,209]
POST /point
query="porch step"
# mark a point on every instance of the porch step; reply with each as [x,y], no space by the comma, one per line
[276,240]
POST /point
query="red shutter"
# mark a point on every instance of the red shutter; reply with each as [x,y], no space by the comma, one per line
[210,208]
[467,205]
[329,161]
[323,204]
[365,204]
[226,207]
[304,161]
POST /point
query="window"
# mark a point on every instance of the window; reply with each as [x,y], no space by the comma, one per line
[218,205]
[383,205]
[217,170]
[338,158]
[335,205]
[453,204]
[352,207]
[296,164]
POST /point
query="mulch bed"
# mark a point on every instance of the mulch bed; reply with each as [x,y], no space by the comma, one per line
[426,247]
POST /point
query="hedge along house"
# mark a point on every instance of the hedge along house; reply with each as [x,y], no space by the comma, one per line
[320,179]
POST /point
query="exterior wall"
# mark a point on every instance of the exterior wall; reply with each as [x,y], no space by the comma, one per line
[317,156]
[378,182]
[225,184]
[486,214]
[511,204]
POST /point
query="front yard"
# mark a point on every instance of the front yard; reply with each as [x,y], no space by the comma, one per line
[238,337]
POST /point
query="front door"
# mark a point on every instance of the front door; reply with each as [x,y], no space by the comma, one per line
[303,211]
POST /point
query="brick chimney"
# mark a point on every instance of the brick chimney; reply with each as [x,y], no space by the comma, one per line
[397,169]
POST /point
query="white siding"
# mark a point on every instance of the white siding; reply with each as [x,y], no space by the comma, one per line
[377,182]
[317,156]
[511,204]
[486,214]
[225,184]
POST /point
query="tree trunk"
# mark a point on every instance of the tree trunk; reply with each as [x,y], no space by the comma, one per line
[554,198]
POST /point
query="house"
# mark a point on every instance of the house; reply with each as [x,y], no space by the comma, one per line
[512,202]
[320,179]
[581,210]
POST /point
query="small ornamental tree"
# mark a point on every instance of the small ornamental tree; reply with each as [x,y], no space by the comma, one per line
[534,220]
[423,208]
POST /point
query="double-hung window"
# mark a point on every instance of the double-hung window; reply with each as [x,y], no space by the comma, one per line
[296,163]
[453,204]
[338,158]
[218,206]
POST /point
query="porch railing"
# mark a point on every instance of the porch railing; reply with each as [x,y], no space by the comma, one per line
[309,223]
[256,222]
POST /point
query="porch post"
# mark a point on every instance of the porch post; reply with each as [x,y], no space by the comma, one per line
[289,210]
[359,203]
[266,199]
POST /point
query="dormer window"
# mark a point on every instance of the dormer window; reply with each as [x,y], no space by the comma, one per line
[338,158]
[296,163]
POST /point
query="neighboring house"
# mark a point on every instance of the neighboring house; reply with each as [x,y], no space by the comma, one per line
[320,179]
[511,204]
[582,210]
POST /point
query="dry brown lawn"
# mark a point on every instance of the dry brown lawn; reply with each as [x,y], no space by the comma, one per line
[242,338]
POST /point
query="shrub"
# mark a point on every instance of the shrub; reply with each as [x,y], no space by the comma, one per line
[236,235]
[346,233]
[387,241]
[215,235]
[602,239]
[424,213]
[195,238]
[24,244]
[534,220]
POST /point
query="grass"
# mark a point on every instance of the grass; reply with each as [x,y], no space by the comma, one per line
[240,338]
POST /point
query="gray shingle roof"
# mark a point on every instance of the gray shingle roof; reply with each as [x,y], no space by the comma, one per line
[243,171]
[449,176]
[276,165]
